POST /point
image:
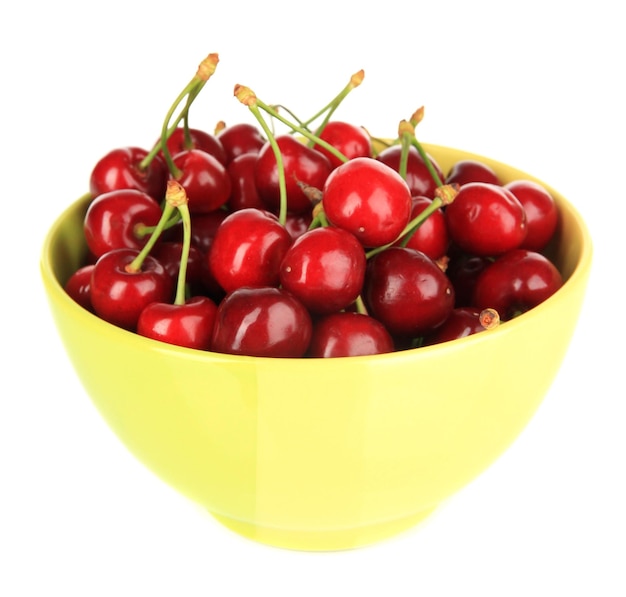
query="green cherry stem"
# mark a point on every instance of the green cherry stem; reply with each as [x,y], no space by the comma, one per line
[190,92]
[248,98]
[355,80]
[166,215]
[177,197]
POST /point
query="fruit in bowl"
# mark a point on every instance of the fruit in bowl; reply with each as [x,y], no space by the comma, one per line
[319,451]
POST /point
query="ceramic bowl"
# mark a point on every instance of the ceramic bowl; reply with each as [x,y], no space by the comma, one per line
[321,454]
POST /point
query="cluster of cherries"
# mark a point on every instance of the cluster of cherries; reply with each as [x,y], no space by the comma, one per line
[317,242]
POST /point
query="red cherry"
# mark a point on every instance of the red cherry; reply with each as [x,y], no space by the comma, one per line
[516,282]
[418,177]
[169,253]
[350,140]
[248,249]
[432,236]
[198,139]
[189,325]
[407,292]
[119,296]
[349,334]
[78,286]
[262,321]
[302,164]
[298,224]
[463,271]
[486,219]
[113,219]
[469,170]
[368,199]
[541,212]
[240,138]
[204,179]
[244,192]
[325,269]
[121,169]
[462,322]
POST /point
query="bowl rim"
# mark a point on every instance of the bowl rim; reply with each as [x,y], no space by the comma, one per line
[56,292]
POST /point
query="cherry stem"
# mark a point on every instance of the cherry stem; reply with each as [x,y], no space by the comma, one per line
[248,98]
[313,138]
[190,92]
[141,230]
[177,197]
[360,305]
[355,80]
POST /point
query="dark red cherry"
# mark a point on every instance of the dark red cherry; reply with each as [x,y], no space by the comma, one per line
[349,334]
[325,269]
[169,254]
[407,291]
[241,138]
[541,212]
[78,286]
[244,192]
[471,170]
[122,168]
[462,322]
[262,321]
[516,282]
[486,219]
[418,177]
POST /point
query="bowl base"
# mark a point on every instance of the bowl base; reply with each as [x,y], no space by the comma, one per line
[325,540]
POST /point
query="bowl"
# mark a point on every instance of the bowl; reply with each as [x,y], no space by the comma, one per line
[321,454]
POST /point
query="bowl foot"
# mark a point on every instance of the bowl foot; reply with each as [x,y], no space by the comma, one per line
[324,540]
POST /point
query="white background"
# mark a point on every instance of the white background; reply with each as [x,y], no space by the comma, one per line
[539,86]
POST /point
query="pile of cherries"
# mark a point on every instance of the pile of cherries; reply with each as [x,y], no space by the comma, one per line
[319,241]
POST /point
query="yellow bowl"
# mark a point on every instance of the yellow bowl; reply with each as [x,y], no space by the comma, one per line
[321,454]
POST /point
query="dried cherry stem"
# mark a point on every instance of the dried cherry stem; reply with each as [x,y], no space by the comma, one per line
[204,72]
[248,98]
[489,318]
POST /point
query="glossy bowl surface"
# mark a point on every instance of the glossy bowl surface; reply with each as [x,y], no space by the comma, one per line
[321,454]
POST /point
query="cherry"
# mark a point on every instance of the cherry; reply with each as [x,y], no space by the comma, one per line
[204,228]
[349,334]
[516,282]
[181,139]
[78,286]
[116,219]
[462,322]
[486,219]
[368,199]
[244,192]
[170,253]
[240,138]
[418,177]
[298,224]
[189,325]
[325,269]
[541,212]
[302,164]
[204,178]
[247,249]
[431,237]
[119,292]
[126,168]
[350,140]
[470,170]
[463,270]
[407,291]
[261,321]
